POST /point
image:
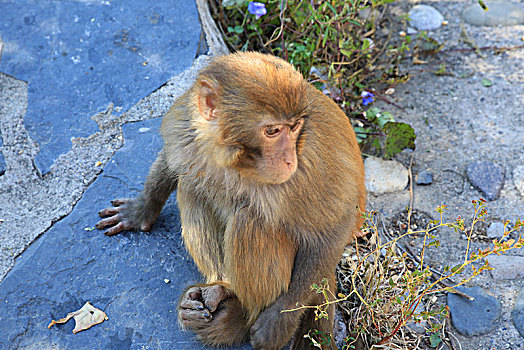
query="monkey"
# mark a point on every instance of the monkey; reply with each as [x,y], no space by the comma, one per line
[270,185]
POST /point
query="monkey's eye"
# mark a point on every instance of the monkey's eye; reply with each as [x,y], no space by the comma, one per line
[296,125]
[272,131]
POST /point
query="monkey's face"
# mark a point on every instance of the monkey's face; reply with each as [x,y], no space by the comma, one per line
[275,161]
[258,104]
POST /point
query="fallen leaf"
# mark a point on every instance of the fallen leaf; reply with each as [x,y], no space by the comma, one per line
[85,318]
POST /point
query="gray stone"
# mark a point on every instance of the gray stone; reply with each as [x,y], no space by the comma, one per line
[425,17]
[518,313]
[122,275]
[2,160]
[518,179]
[474,317]
[383,176]
[424,178]
[502,13]
[507,267]
[80,56]
[487,177]
[495,230]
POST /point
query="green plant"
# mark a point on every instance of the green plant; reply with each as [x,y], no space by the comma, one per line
[381,290]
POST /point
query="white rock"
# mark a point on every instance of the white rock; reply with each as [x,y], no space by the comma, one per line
[507,267]
[384,176]
[424,17]
[518,179]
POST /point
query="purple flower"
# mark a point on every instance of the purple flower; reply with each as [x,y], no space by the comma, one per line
[367,97]
[257,8]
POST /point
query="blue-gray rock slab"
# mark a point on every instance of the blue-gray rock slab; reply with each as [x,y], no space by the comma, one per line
[474,317]
[80,56]
[518,313]
[122,275]
[503,13]
[487,177]
[2,159]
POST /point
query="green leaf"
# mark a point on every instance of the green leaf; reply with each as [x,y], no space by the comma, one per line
[384,118]
[372,113]
[483,5]
[486,82]
[435,340]
[456,268]
[236,29]
[399,137]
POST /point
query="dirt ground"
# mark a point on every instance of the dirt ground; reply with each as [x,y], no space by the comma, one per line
[457,120]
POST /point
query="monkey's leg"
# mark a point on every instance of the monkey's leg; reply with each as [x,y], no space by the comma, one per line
[312,264]
[321,330]
[141,212]
[214,314]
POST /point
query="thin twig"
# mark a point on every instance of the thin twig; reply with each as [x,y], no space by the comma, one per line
[410,174]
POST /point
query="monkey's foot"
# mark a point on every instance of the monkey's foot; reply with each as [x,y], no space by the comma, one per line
[199,303]
[215,314]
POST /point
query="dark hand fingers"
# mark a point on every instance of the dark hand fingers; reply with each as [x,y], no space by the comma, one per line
[194,293]
[110,221]
[108,212]
[189,317]
[119,201]
[121,226]
[187,303]
[213,296]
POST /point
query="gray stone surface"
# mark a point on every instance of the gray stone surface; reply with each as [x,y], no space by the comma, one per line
[487,177]
[2,159]
[502,13]
[518,179]
[384,176]
[507,267]
[474,317]
[123,275]
[424,178]
[518,313]
[425,17]
[80,56]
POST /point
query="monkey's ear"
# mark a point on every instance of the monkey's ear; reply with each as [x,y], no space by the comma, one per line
[207,99]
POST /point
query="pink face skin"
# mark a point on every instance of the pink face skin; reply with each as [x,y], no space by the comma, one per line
[279,150]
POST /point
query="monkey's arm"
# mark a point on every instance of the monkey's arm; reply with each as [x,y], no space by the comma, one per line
[313,262]
[142,211]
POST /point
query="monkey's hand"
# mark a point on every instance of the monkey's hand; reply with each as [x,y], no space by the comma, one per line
[198,304]
[273,329]
[125,215]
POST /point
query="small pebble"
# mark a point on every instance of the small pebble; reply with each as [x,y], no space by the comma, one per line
[487,177]
[425,17]
[424,178]
[166,281]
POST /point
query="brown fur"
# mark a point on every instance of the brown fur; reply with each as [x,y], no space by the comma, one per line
[266,241]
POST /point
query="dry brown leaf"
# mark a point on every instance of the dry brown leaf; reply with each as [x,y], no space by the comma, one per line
[85,318]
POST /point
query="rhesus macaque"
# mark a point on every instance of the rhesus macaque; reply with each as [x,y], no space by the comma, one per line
[270,179]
